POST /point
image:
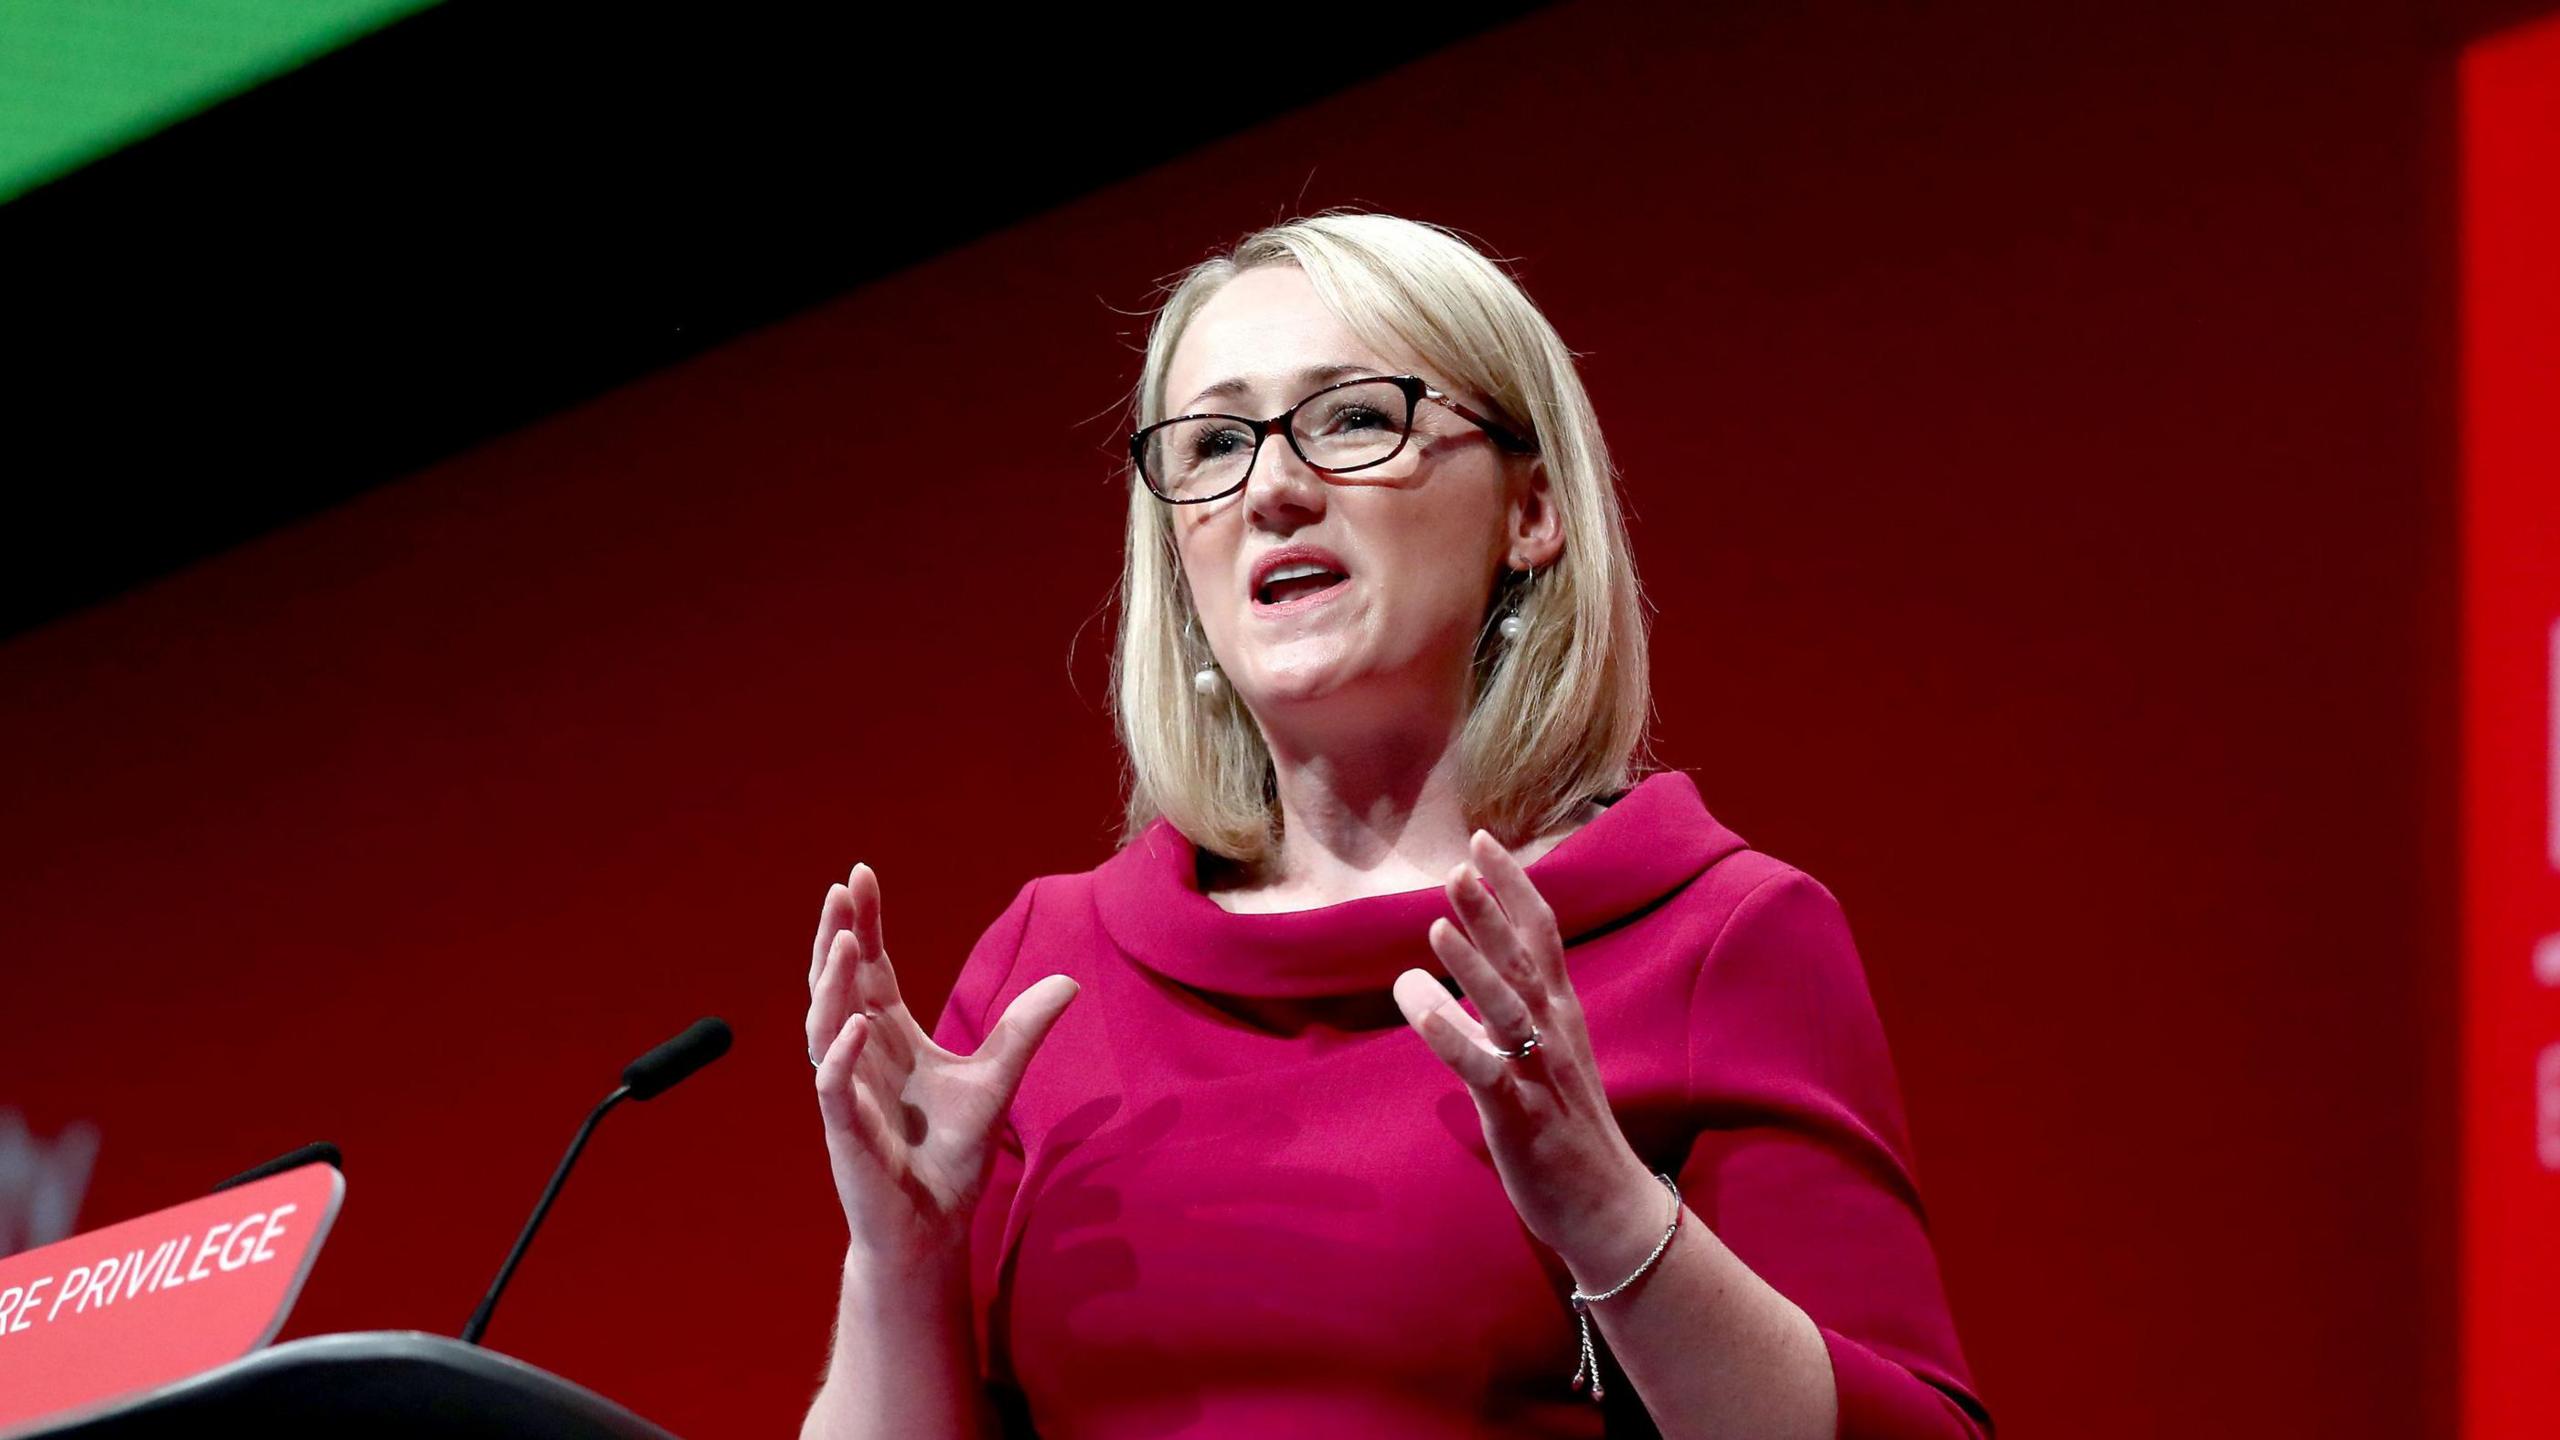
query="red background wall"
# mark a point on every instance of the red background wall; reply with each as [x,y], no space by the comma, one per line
[2036,428]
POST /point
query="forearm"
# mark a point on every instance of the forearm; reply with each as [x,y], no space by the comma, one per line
[1711,1348]
[905,1359]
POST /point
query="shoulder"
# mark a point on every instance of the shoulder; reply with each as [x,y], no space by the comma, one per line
[1750,894]
[1061,910]
[1771,925]
[1740,900]
[1040,921]
[1780,990]
[1038,907]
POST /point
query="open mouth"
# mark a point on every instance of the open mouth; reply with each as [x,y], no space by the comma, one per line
[1295,582]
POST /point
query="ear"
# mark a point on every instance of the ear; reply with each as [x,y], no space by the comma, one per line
[1533,532]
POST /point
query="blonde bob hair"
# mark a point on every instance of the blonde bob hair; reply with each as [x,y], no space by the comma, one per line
[1558,717]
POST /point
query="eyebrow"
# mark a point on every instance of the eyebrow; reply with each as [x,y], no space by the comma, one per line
[1313,377]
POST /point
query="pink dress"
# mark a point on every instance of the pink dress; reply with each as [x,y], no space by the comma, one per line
[1239,1197]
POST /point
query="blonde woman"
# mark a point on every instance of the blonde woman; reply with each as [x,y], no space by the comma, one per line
[1417,1067]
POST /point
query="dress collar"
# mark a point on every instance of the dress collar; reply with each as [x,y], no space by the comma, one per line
[1652,840]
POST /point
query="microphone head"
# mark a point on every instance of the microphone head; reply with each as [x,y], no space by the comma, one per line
[653,1074]
[319,1151]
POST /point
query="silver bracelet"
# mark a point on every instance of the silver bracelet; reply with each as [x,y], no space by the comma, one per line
[1590,1362]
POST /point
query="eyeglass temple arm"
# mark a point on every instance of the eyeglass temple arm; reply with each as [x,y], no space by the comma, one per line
[1494,428]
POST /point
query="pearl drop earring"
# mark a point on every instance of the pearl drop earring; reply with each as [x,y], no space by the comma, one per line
[1514,625]
[1205,681]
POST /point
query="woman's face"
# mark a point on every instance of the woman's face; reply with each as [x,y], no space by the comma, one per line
[1408,550]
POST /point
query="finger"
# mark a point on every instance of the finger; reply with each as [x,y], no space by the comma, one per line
[1443,1027]
[1467,1025]
[1496,1000]
[834,913]
[868,980]
[861,1078]
[836,1065]
[1493,934]
[881,1107]
[1544,978]
[1518,894]
[866,970]
[831,999]
[879,1084]
[1024,1025]
[851,985]
[839,1098]
[866,926]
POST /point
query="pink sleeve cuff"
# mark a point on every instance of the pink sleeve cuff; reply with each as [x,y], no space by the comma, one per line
[1880,1400]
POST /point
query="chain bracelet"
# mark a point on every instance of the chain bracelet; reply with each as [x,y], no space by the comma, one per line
[1589,1364]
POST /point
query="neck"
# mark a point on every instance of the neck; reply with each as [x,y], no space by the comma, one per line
[1371,808]
[1372,820]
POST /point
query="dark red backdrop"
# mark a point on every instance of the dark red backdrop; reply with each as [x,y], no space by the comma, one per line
[2036,428]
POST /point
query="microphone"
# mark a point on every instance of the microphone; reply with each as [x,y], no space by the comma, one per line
[318,1150]
[662,1069]
[646,1078]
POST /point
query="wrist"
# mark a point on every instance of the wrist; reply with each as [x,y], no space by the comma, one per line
[1622,1232]
[888,1304]
[905,1281]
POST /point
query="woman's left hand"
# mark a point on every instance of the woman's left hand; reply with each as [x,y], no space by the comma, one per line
[1578,1185]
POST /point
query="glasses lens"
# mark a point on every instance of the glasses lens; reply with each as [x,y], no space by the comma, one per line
[1189,459]
[1352,426]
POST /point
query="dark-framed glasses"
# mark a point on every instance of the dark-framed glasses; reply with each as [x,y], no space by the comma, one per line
[1341,428]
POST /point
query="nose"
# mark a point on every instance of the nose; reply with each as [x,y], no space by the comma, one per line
[1282,493]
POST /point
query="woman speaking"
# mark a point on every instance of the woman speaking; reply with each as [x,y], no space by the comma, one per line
[1417,1067]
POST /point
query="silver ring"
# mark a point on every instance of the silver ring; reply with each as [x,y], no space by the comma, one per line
[1525,1046]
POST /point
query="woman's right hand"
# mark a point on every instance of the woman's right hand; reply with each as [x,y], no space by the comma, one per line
[911,1127]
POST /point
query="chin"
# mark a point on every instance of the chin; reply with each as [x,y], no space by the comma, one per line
[1278,691]
[1299,680]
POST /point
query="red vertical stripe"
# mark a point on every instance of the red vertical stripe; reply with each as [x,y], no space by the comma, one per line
[2511,664]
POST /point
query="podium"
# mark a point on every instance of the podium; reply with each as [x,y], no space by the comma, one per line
[389,1384]
[159,1326]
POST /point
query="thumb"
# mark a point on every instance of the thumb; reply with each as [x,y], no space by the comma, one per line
[1025,1024]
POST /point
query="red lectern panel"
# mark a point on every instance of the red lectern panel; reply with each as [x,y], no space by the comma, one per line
[120,1310]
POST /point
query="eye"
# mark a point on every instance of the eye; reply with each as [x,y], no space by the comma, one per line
[1211,442]
[1351,417]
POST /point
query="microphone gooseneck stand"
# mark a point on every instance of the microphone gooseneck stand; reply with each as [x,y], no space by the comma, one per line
[646,1078]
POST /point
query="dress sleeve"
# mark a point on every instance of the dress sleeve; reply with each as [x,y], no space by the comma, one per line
[974,1005]
[1803,1167]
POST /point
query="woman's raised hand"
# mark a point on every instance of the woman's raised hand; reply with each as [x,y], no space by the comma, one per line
[911,1127]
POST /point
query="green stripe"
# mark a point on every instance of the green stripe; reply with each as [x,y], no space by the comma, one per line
[80,79]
